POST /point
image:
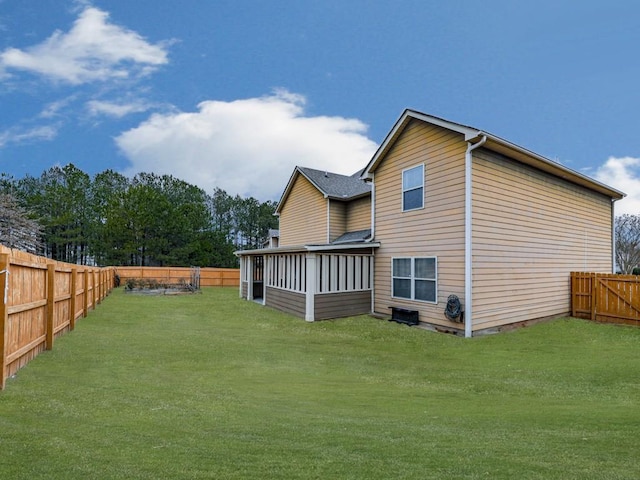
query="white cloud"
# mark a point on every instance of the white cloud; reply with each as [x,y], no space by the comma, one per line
[117,110]
[93,50]
[57,108]
[21,135]
[246,147]
[623,174]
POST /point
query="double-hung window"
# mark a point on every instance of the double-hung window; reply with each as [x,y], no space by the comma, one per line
[413,188]
[415,278]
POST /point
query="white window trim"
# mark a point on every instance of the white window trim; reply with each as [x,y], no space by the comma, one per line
[402,190]
[413,280]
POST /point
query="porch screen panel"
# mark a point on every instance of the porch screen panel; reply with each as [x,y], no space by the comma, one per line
[366,269]
[334,273]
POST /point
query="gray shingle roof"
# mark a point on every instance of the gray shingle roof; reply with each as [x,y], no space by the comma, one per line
[359,236]
[337,186]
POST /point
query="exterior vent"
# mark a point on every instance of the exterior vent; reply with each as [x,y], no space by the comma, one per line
[404,315]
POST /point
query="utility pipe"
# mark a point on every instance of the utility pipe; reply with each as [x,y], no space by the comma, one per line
[468,238]
[371,238]
[373,208]
[328,218]
[613,236]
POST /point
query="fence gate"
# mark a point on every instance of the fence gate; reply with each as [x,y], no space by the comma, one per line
[606,297]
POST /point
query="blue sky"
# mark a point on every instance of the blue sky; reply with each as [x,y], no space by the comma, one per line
[234,94]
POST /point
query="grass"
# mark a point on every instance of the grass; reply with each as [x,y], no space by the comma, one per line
[209,386]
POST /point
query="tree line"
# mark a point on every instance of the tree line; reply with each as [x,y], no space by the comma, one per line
[110,219]
[627,244]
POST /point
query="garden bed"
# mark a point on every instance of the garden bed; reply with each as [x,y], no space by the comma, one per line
[155,287]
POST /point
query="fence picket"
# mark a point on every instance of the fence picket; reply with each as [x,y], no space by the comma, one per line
[40,304]
[606,298]
[4,315]
[209,276]
[51,296]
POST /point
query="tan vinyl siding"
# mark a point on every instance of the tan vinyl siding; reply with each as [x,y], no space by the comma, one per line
[337,219]
[530,230]
[359,214]
[437,230]
[303,218]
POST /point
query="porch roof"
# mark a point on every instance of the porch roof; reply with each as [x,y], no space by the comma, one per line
[310,248]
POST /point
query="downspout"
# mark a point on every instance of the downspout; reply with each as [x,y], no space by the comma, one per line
[372,276]
[328,218]
[468,239]
[613,236]
[373,208]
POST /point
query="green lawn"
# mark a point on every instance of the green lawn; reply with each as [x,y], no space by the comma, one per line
[209,386]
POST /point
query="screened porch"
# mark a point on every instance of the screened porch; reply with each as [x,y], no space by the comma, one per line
[312,282]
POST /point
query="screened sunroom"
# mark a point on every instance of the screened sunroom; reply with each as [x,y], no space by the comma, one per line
[314,282]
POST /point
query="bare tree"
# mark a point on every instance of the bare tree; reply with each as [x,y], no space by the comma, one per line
[627,231]
[17,230]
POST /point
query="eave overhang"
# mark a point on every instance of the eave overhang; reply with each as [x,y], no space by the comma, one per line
[308,248]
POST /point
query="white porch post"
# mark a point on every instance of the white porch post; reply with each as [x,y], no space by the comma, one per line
[249,277]
[309,315]
[242,260]
[266,275]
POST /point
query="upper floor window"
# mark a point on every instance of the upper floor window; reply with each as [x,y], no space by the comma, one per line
[413,188]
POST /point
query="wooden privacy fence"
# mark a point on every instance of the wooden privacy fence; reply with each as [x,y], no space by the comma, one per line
[41,299]
[606,297]
[209,277]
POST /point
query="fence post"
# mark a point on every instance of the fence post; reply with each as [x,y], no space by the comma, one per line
[94,293]
[573,287]
[594,295]
[51,293]
[99,300]
[4,318]
[72,305]
[85,297]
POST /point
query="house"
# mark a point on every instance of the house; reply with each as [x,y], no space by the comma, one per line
[273,238]
[323,265]
[454,214]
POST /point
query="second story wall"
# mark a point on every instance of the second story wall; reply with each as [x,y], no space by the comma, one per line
[434,230]
[303,218]
[349,216]
[337,219]
[358,214]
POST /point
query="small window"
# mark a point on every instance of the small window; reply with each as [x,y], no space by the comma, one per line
[415,279]
[413,188]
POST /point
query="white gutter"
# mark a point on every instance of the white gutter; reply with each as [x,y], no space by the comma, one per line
[468,239]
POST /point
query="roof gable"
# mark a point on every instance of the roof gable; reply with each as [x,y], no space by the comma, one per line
[330,185]
[493,143]
[397,129]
